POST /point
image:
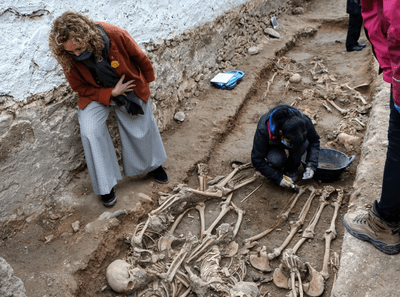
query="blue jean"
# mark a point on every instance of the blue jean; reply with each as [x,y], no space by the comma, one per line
[389,206]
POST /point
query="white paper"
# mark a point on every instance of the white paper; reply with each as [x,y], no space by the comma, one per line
[222,78]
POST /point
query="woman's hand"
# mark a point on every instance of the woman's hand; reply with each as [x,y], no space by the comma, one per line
[121,88]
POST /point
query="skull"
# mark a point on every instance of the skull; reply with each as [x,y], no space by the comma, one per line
[123,277]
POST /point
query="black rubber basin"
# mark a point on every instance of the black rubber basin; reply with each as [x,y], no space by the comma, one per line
[331,164]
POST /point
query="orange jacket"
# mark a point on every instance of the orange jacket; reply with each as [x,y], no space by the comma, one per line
[132,62]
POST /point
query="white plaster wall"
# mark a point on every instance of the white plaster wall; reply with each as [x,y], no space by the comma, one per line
[26,66]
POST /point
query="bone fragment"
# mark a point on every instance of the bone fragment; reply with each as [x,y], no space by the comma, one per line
[215,194]
[186,284]
[201,207]
[186,292]
[269,85]
[330,234]
[281,217]
[180,258]
[326,106]
[198,285]
[137,239]
[284,216]
[237,168]
[224,210]
[210,270]
[309,231]
[245,249]
[164,243]
[295,226]
[335,263]
[218,191]
[240,213]
[168,202]
[174,288]
[245,198]
[357,94]
[215,180]
[347,140]
[342,111]
[232,249]
[202,170]
[359,122]
[165,288]
[202,183]
[261,262]
[207,241]
[316,286]
[289,272]
[245,182]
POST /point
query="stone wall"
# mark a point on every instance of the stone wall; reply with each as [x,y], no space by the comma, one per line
[40,147]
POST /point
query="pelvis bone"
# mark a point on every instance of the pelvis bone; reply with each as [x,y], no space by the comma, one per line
[292,272]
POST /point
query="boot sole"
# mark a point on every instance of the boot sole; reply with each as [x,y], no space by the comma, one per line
[161,181]
[382,246]
[110,203]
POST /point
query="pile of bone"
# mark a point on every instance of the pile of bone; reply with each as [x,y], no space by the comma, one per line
[154,268]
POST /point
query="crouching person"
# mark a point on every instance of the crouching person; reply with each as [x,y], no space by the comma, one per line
[283,135]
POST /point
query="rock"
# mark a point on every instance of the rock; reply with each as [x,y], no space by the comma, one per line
[199,77]
[180,116]
[272,33]
[55,216]
[295,78]
[145,197]
[253,50]
[49,238]
[76,226]
[298,11]
[10,286]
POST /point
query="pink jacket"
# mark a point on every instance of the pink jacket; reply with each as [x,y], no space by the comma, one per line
[382,21]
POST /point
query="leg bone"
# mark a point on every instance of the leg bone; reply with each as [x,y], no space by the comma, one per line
[240,213]
[281,217]
[330,234]
[201,207]
[294,227]
[224,210]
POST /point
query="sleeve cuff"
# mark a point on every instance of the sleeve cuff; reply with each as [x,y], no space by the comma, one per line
[397,107]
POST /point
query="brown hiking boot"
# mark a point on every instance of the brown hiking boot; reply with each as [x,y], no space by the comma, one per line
[368,226]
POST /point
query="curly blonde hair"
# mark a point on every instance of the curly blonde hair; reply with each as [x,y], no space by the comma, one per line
[72,25]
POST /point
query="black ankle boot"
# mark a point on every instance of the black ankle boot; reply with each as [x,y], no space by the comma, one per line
[109,199]
[159,175]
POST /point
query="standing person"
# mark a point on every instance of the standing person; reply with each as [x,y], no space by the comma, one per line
[380,225]
[106,67]
[355,24]
[282,136]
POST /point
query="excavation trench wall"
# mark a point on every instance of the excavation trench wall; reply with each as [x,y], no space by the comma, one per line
[40,147]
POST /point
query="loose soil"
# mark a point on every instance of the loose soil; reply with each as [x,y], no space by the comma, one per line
[45,252]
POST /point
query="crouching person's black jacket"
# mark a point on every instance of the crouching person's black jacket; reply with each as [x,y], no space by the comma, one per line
[267,136]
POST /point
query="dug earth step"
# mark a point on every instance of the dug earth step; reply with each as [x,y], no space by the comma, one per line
[205,131]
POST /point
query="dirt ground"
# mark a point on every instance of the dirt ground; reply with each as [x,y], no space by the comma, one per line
[46,251]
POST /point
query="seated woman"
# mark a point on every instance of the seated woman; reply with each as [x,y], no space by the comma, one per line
[283,135]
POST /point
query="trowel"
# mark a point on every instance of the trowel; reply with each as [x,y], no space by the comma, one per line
[296,189]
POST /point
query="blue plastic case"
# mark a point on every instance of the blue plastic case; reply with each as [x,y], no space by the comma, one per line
[237,76]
